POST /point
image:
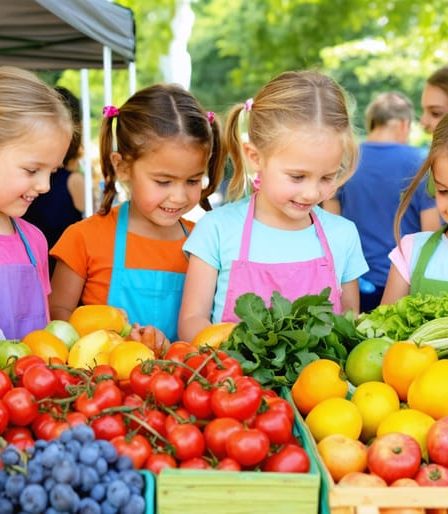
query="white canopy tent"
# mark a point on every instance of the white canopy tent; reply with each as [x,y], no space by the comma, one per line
[70,34]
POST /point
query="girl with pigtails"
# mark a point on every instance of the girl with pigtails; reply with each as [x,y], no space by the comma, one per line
[162,146]
[301,147]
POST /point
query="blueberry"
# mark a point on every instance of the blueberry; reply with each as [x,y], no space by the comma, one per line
[135,505]
[107,508]
[101,466]
[83,433]
[98,492]
[3,478]
[133,479]
[89,478]
[6,506]
[108,451]
[89,506]
[14,485]
[66,436]
[33,498]
[52,454]
[64,498]
[65,471]
[49,483]
[35,472]
[123,463]
[118,493]
[89,454]
[73,447]
[10,456]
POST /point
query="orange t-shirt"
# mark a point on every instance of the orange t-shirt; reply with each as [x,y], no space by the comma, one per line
[87,247]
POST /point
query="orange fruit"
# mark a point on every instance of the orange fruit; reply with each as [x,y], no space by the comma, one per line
[89,318]
[318,380]
[402,362]
[342,455]
[46,345]
[334,416]
[358,479]
[429,391]
[214,335]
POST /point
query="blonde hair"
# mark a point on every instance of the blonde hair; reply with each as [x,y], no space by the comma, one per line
[439,146]
[440,79]
[386,107]
[291,99]
[154,114]
[26,102]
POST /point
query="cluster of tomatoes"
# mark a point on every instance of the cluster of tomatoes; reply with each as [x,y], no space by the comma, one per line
[192,409]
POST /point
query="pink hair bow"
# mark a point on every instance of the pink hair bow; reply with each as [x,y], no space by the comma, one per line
[248,104]
[110,111]
[211,117]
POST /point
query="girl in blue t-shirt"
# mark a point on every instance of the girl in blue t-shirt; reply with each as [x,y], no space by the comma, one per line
[301,146]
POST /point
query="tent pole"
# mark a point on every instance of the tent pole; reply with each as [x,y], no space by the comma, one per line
[86,141]
[132,77]
[107,67]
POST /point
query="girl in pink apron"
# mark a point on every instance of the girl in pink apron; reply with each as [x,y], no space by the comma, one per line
[300,145]
[35,131]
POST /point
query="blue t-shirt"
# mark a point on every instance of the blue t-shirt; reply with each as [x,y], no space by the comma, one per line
[216,240]
[370,199]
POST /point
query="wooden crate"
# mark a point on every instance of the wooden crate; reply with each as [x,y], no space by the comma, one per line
[367,500]
[181,491]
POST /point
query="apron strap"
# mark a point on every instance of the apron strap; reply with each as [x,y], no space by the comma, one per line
[322,238]
[247,230]
[425,255]
[24,240]
[120,236]
[184,228]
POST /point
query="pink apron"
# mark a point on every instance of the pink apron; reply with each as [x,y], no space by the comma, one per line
[22,300]
[290,279]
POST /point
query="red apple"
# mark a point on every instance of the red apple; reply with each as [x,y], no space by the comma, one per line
[393,456]
[437,442]
[432,475]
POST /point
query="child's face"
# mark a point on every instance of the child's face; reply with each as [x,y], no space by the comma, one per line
[26,165]
[166,182]
[440,174]
[435,106]
[297,175]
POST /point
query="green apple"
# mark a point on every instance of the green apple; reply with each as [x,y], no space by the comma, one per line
[365,361]
[64,330]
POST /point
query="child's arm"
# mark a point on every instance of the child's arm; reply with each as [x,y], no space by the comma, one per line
[396,287]
[350,296]
[66,291]
[197,300]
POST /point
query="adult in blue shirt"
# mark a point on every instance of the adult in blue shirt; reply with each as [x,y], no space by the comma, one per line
[371,196]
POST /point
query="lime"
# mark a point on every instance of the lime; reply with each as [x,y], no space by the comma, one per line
[365,361]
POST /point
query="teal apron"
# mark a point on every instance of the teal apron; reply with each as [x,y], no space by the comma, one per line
[149,297]
[421,284]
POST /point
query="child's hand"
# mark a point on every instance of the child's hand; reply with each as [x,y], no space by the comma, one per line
[151,337]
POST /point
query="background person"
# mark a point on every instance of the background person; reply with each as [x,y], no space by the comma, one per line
[370,197]
[278,239]
[434,99]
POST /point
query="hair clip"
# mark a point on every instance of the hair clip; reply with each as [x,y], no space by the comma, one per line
[110,111]
[211,117]
[248,104]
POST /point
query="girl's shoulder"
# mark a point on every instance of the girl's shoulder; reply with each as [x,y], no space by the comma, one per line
[334,222]
[32,233]
[228,212]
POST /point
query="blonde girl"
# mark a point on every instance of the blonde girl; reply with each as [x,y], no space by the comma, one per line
[301,147]
[35,132]
[420,261]
[162,145]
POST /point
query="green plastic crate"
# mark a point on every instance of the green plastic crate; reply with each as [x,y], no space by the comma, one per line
[244,492]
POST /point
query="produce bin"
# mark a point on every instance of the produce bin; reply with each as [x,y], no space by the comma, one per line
[150,491]
[365,500]
[243,492]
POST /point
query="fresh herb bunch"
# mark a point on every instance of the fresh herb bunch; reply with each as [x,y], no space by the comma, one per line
[274,344]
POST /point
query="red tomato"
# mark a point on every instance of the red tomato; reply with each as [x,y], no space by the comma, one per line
[289,459]
[25,362]
[40,381]
[248,447]
[4,417]
[217,432]
[5,383]
[140,380]
[158,461]
[104,372]
[431,475]
[109,426]
[166,389]
[228,464]
[178,350]
[239,400]
[187,440]
[279,404]
[275,425]
[64,379]
[174,419]
[72,419]
[195,463]
[137,448]
[393,456]
[228,367]
[197,400]
[22,406]
[43,426]
[155,419]
[20,437]
[106,394]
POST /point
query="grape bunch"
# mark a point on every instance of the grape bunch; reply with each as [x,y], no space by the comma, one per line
[73,474]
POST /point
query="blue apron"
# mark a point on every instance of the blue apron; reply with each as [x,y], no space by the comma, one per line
[22,299]
[149,297]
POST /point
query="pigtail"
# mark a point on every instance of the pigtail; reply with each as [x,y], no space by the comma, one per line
[232,140]
[106,148]
[215,165]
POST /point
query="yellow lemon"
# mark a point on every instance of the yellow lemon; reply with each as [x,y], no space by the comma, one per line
[125,356]
[334,416]
[375,401]
[429,391]
[214,335]
[408,421]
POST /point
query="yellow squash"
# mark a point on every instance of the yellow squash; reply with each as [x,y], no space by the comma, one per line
[93,349]
[88,318]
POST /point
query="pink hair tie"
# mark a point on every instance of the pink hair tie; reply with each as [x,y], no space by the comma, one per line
[110,111]
[211,117]
[248,104]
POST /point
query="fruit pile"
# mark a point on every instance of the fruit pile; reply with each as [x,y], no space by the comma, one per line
[74,473]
